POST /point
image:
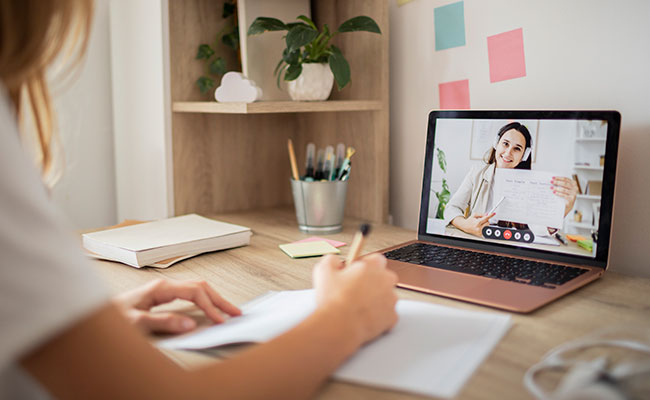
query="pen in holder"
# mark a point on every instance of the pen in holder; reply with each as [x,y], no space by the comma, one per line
[320,206]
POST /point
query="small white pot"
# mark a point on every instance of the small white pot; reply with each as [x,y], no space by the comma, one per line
[314,83]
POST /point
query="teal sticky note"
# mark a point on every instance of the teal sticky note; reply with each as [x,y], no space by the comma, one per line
[449,25]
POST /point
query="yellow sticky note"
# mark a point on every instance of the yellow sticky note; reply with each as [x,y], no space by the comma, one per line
[308,249]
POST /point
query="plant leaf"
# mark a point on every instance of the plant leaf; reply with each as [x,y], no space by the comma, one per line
[308,21]
[218,66]
[229,8]
[277,67]
[292,24]
[204,52]
[205,84]
[299,36]
[293,72]
[360,23]
[232,39]
[442,160]
[263,24]
[291,57]
[340,67]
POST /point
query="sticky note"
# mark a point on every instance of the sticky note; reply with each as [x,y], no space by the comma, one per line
[449,26]
[308,249]
[506,55]
[454,95]
[334,243]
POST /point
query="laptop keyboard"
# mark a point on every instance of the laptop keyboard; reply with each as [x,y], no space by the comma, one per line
[488,265]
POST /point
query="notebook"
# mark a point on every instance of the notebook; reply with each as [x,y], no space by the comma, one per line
[433,350]
[161,241]
[499,199]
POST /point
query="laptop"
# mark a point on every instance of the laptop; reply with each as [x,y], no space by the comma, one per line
[516,206]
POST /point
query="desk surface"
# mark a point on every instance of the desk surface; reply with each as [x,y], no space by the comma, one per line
[244,273]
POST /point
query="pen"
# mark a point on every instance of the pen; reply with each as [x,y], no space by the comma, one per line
[559,238]
[345,167]
[340,155]
[496,205]
[319,164]
[327,167]
[357,243]
[292,159]
[309,164]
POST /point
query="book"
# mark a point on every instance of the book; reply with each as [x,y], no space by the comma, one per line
[432,350]
[165,241]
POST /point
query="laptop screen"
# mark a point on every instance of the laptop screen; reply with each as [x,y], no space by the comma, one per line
[536,183]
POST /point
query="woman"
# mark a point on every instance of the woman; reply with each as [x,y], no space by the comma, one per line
[511,149]
[59,333]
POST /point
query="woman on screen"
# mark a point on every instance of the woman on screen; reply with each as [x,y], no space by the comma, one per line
[468,207]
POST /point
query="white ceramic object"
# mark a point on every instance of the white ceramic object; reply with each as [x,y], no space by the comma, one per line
[314,83]
[235,88]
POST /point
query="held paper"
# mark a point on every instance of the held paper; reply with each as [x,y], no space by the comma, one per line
[528,198]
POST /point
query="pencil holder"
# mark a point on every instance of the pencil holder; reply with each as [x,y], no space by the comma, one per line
[319,205]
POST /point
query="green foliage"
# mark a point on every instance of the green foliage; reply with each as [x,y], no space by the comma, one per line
[444,194]
[227,39]
[305,43]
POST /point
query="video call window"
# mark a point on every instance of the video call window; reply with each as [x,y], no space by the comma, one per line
[527,183]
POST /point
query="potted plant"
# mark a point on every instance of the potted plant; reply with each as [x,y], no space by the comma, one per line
[444,194]
[309,62]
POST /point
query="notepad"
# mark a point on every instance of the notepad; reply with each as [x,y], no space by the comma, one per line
[433,350]
[334,243]
[308,249]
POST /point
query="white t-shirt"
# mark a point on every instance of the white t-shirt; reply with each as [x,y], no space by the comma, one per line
[46,284]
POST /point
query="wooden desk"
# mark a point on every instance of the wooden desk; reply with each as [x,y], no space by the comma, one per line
[244,273]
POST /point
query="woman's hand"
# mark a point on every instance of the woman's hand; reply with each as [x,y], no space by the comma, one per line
[474,224]
[362,290]
[136,304]
[567,189]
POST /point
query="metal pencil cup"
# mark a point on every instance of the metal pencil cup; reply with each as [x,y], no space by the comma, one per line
[319,205]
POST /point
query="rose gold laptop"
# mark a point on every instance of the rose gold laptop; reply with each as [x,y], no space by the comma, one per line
[516,206]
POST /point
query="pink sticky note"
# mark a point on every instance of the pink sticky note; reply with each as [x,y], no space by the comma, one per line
[317,239]
[454,95]
[506,55]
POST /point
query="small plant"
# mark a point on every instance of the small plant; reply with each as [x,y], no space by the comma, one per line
[228,36]
[444,194]
[306,44]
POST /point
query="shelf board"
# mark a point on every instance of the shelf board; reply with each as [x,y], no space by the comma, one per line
[588,197]
[595,140]
[271,107]
[583,225]
[588,167]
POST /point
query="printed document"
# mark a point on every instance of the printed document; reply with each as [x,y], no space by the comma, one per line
[528,198]
[433,350]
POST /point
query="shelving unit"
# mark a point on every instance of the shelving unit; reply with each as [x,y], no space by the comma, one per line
[232,157]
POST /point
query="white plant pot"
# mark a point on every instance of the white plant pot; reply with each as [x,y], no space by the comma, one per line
[314,83]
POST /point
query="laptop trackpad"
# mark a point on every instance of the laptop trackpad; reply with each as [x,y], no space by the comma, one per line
[437,280]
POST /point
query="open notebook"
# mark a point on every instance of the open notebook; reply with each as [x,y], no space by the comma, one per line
[433,350]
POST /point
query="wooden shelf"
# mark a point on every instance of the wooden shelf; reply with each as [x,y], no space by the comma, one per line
[588,167]
[582,225]
[588,197]
[595,140]
[273,107]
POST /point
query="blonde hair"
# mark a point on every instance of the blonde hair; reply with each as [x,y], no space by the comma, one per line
[33,34]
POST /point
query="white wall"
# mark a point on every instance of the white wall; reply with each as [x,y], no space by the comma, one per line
[86,191]
[580,54]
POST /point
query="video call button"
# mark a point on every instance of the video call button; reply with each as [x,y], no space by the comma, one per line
[507,235]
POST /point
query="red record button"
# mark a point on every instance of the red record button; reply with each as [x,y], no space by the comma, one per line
[507,235]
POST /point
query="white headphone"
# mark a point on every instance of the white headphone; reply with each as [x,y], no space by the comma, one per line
[526,152]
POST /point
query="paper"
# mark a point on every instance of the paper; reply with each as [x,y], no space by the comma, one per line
[454,95]
[528,198]
[308,249]
[506,55]
[449,26]
[334,243]
[433,350]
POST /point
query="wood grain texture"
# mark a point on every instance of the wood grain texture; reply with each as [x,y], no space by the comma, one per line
[226,160]
[244,273]
[273,107]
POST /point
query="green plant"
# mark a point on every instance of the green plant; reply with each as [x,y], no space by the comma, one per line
[444,193]
[306,44]
[228,36]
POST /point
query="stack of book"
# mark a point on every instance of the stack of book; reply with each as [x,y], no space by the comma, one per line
[164,242]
